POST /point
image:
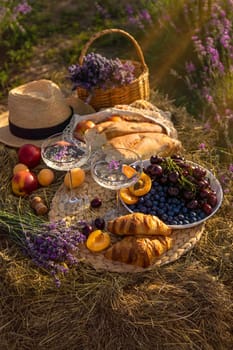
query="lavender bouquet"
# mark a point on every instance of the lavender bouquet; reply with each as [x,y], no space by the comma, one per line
[52,246]
[98,71]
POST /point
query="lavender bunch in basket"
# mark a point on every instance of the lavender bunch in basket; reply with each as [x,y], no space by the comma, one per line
[98,71]
[53,247]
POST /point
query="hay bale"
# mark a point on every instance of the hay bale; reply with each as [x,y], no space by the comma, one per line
[185,305]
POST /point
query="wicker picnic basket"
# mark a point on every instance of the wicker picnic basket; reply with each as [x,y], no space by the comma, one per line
[126,94]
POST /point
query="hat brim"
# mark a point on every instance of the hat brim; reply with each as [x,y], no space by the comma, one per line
[7,138]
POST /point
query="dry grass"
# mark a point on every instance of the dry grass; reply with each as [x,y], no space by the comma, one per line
[185,305]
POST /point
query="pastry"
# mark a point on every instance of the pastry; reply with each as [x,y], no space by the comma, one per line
[138,224]
[148,144]
[138,251]
[120,128]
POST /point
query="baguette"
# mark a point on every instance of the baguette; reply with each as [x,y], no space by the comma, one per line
[148,144]
[115,129]
[138,224]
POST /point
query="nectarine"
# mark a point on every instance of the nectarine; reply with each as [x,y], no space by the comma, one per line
[24,182]
[29,155]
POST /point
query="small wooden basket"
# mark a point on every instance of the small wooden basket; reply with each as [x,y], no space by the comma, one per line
[126,94]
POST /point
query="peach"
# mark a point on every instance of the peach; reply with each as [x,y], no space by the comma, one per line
[29,155]
[18,167]
[82,127]
[24,182]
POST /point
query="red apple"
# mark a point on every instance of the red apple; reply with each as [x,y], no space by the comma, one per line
[82,127]
[29,155]
[24,182]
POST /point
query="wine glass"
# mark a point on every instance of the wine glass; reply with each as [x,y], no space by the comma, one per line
[64,154]
[116,168]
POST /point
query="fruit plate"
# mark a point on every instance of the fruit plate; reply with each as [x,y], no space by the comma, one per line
[214,185]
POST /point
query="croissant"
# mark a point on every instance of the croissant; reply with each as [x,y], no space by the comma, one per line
[138,224]
[138,251]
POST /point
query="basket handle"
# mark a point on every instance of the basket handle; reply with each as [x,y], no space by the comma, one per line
[110,31]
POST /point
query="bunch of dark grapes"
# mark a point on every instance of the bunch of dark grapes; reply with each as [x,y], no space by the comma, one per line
[98,71]
[181,192]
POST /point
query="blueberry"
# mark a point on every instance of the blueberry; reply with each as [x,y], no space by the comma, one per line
[181,217]
[141,200]
[162,199]
[143,209]
[174,222]
[153,191]
[176,210]
[148,203]
[164,217]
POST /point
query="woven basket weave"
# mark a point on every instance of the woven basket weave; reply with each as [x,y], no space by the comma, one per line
[126,94]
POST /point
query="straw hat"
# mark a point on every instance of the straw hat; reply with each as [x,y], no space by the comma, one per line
[37,110]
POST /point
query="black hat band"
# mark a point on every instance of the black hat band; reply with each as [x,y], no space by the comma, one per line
[39,133]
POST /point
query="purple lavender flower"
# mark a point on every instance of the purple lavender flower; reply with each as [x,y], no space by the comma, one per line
[99,72]
[129,10]
[113,165]
[225,40]
[189,66]
[202,146]
[145,16]
[207,126]
[23,8]
[102,11]
[53,246]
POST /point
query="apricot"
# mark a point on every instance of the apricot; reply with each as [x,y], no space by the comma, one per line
[98,241]
[24,182]
[115,118]
[45,177]
[127,196]
[142,186]
[128,171]
[82,127]
[18,167]
[63,143]
[77,178]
